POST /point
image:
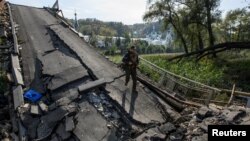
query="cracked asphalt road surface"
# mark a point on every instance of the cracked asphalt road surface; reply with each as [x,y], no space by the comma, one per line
[56,61]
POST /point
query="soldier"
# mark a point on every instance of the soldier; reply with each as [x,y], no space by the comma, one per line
[130,63]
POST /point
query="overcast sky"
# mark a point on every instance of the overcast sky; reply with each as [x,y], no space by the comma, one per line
[126,11]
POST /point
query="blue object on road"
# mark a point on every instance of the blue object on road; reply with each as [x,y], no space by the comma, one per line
[32,95]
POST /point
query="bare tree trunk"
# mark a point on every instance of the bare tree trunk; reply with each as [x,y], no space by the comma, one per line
[178,33]
[209,24]
[182,38]
[201,45]
[238,36]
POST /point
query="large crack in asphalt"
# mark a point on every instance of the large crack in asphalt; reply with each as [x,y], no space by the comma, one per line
[72,52]
[125,118]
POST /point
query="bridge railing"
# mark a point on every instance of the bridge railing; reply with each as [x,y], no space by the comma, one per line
[183,87]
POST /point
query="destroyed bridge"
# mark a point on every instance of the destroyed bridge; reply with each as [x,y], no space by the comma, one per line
[83,96]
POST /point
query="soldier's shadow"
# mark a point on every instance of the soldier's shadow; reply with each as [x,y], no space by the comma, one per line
[131,97]
[134,96]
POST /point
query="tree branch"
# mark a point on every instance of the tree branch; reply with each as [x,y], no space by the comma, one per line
[226,45]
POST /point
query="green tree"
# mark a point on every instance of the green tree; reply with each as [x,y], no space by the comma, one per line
[93,39]
[127,39]
[192,20]
[235,26]
[166,11]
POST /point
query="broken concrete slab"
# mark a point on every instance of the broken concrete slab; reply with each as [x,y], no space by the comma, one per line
[89,117]
[43,106]
[43,131]
[71,93]
[64,100]
[16,70]
[18,96]
[67,76]
[34,109]
[231,116]
[22,131]
[96,63]
[69,123]
[62,133]
[54,116]
[32,128]
[49,121]
[52,106]
[26,118]
[167,128]
[62,62]
[92,85]
[204,112]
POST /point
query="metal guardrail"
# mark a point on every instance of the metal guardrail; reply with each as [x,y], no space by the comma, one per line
[173,82]
[180,77]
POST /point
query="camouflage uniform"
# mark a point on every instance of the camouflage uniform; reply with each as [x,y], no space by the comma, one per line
[131,61]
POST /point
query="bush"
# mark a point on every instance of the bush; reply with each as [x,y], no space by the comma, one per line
[204,71]
[117,59]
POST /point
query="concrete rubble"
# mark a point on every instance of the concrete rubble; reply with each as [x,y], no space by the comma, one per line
[197,122]
[194,127]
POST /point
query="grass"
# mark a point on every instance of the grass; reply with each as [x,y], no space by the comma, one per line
[116,59]
[204,71]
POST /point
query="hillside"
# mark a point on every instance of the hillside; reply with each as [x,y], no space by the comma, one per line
[97,27]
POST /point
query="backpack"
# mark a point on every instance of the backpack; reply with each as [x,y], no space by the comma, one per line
[125,58]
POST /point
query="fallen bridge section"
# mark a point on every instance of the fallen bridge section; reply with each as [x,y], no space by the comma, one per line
[67,71]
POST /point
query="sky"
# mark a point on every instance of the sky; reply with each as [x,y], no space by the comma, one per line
[126,11]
